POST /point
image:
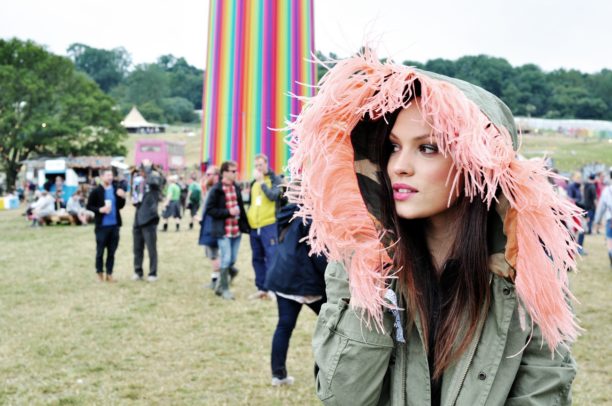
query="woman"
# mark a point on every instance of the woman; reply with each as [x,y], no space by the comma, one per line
[448,281]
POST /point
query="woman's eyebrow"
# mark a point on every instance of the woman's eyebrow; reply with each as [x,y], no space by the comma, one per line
[417,138]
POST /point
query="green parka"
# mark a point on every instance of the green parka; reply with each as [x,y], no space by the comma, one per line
[359,366]
[335,161]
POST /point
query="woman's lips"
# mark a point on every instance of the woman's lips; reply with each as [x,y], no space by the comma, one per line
[402,192]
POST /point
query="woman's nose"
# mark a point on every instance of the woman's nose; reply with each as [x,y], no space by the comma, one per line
[403,166]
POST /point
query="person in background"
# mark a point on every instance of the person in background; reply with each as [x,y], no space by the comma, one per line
[224,205]
[75,208]
[106,202]
[297,279]
[574,193]
[604,212]
[262,211]
[43,208]
[183,187]
[172,204]
[589,201]
[146,196]
[211,248]
[194,198]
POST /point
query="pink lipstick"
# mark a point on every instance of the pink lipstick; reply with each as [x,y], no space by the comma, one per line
[402,192]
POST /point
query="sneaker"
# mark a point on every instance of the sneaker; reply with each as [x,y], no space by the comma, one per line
[137,277]
[152,278]
[288,380]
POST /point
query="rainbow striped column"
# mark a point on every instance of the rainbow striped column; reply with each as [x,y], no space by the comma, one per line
[258,54]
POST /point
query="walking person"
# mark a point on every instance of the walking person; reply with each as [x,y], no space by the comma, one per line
[194,198]
[147,194]
[105,201]
[449,255]
[224,205]
[297,279]
[211,248]
[172,204]
[263,200]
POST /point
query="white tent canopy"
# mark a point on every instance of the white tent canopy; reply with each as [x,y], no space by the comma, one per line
[135,122]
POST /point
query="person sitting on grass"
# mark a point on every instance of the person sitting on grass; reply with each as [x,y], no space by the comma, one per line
[43,208]
[75,208]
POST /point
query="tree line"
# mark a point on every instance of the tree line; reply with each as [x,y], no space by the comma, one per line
[166,91]
[526,89]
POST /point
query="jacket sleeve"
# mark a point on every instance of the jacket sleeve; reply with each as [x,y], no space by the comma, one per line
[212,206]
[351,359]
[272,193]
[542,379]
[120,200]
[92,202]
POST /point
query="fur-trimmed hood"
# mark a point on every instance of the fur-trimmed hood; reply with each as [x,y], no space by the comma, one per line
[337,180]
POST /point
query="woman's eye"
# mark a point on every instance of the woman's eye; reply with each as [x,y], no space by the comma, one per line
[429,149]
[395,147]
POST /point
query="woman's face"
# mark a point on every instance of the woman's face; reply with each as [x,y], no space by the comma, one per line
[417,170]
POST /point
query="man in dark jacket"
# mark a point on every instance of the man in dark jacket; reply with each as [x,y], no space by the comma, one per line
[106,201]
[147,195]
[224,205]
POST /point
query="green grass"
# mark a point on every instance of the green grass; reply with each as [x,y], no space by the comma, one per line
[569,154]
[66,339]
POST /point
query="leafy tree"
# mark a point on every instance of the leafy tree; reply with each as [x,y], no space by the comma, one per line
[185,81]
[148,82]
[107,67]
[151,111]
[47,107]
[178,109]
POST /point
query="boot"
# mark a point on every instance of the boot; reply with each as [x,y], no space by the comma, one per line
[233,272]
[191,226]
[177,226]
[214,278]
[165,228]
[222,288]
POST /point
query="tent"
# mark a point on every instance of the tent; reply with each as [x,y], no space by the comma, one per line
[134,122]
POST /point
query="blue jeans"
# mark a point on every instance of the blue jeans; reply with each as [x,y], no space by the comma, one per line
[228,251]
[288,312]
[263,246]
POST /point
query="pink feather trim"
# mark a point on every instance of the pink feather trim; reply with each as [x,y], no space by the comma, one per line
[327,191]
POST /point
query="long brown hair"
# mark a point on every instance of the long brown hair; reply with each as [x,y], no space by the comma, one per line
[464,280]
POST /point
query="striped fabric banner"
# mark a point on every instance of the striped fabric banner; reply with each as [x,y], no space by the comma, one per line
[258,54]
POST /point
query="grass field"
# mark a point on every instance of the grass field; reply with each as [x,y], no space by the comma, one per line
[66,339]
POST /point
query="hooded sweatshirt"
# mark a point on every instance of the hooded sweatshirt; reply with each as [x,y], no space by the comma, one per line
[334,160]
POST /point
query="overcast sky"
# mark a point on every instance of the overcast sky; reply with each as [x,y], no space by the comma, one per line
[552,34]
